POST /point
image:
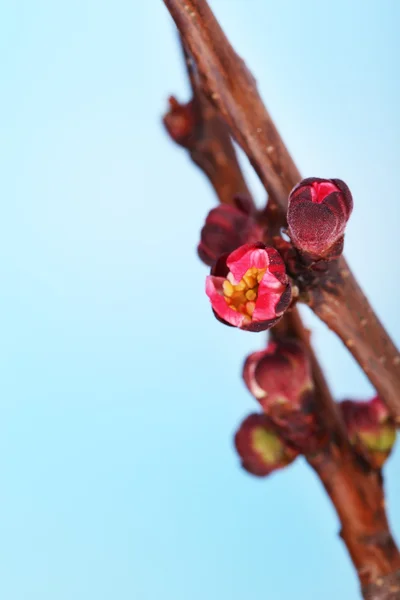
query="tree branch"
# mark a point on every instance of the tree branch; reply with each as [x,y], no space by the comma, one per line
[292,326]
[207,139]
[346,311]
[231,87]
[358,496]
[356,491]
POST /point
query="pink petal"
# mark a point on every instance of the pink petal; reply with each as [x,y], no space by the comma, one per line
[248,374]
[246,257]
[320,190]
[218,302]
[269,293]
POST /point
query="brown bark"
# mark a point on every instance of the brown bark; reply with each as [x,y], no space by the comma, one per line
[209,142]
[291,325]
[355,490]
[231,87]
[386,588]
[348,313]
[358,496]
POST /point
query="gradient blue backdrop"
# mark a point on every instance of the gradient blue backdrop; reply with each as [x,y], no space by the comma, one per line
[119,391]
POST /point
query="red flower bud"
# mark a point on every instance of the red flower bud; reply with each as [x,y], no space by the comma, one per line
[317,215]
[280,379]
[226,228]
[279,375]
[260,447]
[370,429]
[180,121]
[249,288]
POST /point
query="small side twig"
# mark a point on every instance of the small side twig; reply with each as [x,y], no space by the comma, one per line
[209,142]
[231,87]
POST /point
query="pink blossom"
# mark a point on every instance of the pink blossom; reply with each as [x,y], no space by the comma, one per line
[249,288]
[226,228]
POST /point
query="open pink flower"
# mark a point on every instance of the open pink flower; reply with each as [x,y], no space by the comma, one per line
[260,447]
[226,228]
[249,288]
[317,215]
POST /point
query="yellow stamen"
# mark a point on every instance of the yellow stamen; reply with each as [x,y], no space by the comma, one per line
[238,297]
[260,275]
[241,286]
[250,281]
[241,296]
[250,306]
[228,288]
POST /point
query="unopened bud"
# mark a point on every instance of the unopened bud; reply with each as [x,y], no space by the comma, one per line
[226,228]
[181,121]
[370,429]
[317,215]
[260,448]
[280,379]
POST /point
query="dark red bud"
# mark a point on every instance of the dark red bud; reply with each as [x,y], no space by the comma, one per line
[370,428]
[280,379]
[260,448]
[181,121]
[226,228]
[279,375]
[317,215]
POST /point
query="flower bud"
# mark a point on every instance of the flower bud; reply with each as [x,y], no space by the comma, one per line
[249,288]
[260,447]
[317,215]
[226,228]
[279,375]
[370,429]
[280,379]
[181,121]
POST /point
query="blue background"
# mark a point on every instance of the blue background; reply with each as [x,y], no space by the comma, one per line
[119,391]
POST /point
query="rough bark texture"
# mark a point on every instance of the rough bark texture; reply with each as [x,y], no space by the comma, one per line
[346,310]
[386,588]
[358,496]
